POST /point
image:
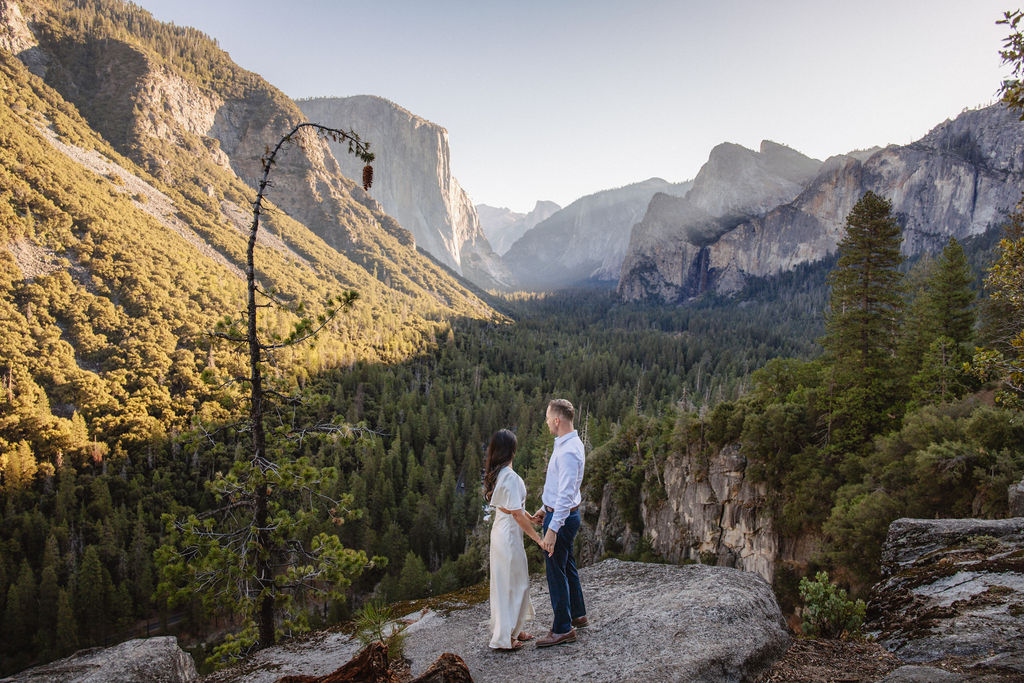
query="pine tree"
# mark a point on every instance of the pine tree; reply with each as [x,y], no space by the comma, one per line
[92,597]
[951,301]
[945,324]
[49,591]
[258,550]
[21,615]
[66,636]
[861,325]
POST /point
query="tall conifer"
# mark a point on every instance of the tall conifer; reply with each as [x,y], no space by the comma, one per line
[861,324]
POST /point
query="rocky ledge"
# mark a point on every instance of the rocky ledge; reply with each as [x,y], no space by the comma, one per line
[648,622]
[953,596]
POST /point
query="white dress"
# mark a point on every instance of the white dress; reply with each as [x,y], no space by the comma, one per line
[510,576]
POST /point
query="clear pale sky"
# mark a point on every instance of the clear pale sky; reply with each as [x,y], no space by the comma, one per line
[556,99]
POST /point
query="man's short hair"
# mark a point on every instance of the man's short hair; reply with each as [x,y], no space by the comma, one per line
[562,408]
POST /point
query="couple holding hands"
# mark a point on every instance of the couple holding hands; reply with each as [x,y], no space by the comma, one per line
[559,518]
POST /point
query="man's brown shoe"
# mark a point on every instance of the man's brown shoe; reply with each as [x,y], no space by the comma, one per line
[580,622]
[557,638]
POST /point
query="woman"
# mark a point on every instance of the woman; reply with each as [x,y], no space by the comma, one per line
[510,577]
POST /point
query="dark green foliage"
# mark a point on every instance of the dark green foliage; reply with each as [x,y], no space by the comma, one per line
[935,344]
[861,326]
[1003,330]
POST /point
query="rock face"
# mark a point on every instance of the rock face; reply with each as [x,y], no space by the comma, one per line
[413,180]
[668,249]
[586,240]
[647,622]
[155,660]
[953,588]
[710,513]
[955,182]
[503,227]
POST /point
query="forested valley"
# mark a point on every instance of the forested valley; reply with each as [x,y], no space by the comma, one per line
[79,568]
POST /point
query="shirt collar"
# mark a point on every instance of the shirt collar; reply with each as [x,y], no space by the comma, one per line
[565,437]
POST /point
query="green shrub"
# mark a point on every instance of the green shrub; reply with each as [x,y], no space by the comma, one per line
[828,613]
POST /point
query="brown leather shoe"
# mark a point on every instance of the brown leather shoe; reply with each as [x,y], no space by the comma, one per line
[557,638]
[580,622]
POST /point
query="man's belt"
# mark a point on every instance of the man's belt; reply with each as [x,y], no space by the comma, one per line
[551,509]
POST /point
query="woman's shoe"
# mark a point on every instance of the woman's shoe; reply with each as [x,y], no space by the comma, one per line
[524,637]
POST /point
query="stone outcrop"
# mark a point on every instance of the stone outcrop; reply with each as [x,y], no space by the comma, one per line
[709,512]
[953,591]
[957,181]
[504,227]
[154,660]
[18,39]
[586,240]
[647,622]
[413,180]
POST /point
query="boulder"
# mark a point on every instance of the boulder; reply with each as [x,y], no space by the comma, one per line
[953,591]
[154,660]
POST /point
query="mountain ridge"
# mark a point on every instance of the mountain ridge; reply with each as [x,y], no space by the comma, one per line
[955,181]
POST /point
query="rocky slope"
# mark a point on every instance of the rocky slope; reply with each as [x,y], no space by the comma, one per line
[957,181]
[131,166]
[200,120]
[413,180]
[503,226]
[586,240]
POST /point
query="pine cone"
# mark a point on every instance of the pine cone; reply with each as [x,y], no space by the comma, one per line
[367,176]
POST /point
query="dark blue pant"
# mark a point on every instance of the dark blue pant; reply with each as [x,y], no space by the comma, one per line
[563,579]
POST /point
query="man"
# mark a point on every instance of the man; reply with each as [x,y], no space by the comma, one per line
[561,517]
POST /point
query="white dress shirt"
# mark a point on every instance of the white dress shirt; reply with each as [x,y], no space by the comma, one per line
[563,479]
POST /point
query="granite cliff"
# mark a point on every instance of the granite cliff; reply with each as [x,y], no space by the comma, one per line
[503,226]
[586,240]
[413,181]
[668,248]
[957,181]
[708,512]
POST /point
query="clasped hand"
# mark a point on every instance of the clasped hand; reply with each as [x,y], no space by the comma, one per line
[547,543]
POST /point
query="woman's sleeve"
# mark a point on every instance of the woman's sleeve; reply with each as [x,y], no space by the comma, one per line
[499,497]
[515,493]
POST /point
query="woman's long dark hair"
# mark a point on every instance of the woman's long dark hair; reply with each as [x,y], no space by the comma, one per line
[500,452]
